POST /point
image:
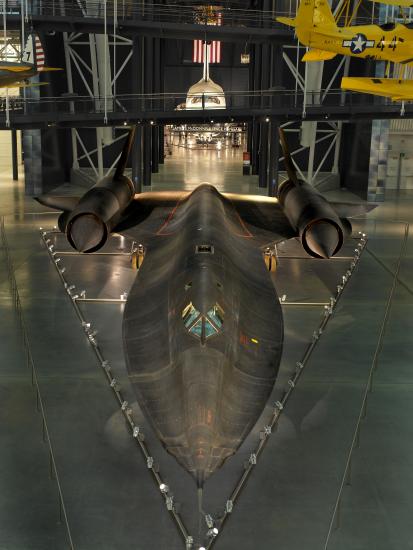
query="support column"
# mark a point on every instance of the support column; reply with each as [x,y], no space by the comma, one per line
[249,137]
[14,155]
[378,160]
[147,147]
[265,74]
[161,157]
[155,150]
[137,68]
[137,160]
[250,125]
[32,162]
[256,102]
[255,148]
[273,160]
[263,157]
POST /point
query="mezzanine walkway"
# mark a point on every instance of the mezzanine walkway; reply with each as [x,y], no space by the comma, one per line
[281,105]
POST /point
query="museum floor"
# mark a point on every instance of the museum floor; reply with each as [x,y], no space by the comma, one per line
[110,499]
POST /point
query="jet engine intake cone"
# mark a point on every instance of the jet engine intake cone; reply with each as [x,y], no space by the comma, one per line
[86,233]
[322,239]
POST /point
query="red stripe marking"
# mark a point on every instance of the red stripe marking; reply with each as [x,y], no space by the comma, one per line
[169,218]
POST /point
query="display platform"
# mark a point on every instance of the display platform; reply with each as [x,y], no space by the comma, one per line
[111,499]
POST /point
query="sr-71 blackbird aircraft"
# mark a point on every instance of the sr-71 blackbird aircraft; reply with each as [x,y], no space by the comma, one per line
[203,328]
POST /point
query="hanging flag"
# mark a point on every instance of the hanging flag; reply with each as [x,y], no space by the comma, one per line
[214,51]
[214,47]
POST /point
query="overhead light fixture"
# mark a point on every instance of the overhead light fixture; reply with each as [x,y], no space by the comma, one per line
[163,488]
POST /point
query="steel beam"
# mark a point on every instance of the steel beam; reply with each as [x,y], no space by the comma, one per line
[132,27]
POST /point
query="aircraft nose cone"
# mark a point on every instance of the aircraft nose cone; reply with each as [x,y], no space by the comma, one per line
[322,238]
[86,232]
[205,453]
[200,478]
[201,462]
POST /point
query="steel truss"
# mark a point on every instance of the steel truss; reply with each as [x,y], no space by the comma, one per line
[98,74]
[308,87]
[308,80]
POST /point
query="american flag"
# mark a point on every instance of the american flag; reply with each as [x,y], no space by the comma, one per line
[214,51]
[39,53]
[214,47]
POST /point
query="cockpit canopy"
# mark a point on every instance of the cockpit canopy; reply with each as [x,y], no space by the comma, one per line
[203,326]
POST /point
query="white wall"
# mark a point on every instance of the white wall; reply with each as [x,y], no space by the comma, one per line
[5,153]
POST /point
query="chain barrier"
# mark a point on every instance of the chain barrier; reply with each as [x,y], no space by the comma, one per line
[279,406]
[346,478]
[135,430]
[214,524]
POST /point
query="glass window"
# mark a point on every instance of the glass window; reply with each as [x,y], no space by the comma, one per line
[216,314]
[210,330]
[203,326]
[196,329]
[189,315]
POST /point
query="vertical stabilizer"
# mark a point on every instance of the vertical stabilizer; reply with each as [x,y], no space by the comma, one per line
[311,14]
[38,53]
[124,156]
[322,14]
[289,165]
[28,55]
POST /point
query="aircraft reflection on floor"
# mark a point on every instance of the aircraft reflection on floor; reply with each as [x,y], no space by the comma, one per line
[203,327]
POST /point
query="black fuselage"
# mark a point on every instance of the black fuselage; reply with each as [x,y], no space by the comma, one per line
[203,332]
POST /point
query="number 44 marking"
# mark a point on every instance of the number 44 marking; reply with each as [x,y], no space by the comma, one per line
[381,44]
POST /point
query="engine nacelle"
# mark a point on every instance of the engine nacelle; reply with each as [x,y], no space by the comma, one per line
[90,223]
[309,213]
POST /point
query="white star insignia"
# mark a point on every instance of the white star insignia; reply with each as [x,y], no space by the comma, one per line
[358,44]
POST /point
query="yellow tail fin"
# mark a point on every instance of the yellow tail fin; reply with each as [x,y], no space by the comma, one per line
[311,13]
[322,14]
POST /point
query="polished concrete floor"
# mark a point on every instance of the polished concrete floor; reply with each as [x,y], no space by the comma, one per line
[288,502]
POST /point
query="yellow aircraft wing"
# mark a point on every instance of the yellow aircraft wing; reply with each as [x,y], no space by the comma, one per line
[318,55]
[20,68]
[286,21]
[15,68]
[399,3]
[393,88]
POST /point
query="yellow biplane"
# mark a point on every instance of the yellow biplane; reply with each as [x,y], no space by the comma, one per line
[17,75]
[316,28]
